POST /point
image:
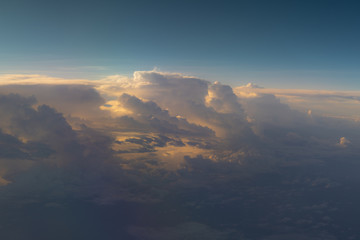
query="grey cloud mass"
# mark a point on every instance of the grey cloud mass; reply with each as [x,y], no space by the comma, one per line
[168,156]
[62,97]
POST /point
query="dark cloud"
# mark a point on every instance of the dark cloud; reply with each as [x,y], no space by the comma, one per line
[13,148]
[77,100]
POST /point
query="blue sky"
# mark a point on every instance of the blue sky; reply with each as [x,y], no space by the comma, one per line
[285,44]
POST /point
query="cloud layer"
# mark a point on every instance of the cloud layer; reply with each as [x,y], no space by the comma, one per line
[172,154]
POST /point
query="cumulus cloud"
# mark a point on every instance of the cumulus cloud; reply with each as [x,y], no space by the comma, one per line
[38,131]
[71,99]
[343,142]
[159,120]
[176,153]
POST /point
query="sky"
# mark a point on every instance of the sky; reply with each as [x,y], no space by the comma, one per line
[283,44]
[157,120]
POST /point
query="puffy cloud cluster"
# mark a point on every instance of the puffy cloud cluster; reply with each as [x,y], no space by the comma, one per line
[168,116]
[150,115]
[185,151]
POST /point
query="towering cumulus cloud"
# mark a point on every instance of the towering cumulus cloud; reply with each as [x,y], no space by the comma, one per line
[167,156]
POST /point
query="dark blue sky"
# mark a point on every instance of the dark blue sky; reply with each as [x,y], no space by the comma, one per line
[301,44]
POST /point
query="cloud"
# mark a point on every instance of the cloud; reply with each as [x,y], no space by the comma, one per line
[213,106]
[340,104]
[71,99]
[31,79]
[222,99]
[163,155]
[159,120]
[181,108]
[343,142]
[40,125]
